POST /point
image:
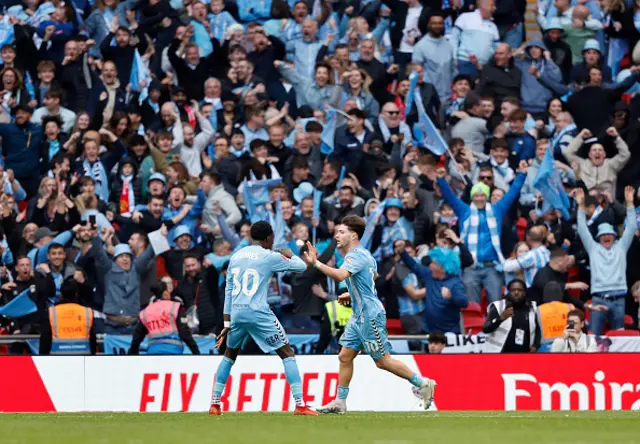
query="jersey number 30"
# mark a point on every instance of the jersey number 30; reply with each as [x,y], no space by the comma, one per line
[249,284]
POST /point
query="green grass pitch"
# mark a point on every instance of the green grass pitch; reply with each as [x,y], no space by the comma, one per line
[280,428]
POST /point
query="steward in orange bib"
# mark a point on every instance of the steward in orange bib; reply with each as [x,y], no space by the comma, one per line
[553,312]
[164,322]
[68,328]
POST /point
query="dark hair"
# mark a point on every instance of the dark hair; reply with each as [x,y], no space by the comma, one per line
[471,101]
[517,281]
[261,230]
[257,143]
[558,252]
[55,119]
[313,127]
[123,29]
[59,158]
[54,245]
[215,177]
[355,224]
[69,289]
[191,255]
[299,162]
[157,288]
[54,93]
[499,143]
[437,337]
[460,77]
[346,187]
[358,113]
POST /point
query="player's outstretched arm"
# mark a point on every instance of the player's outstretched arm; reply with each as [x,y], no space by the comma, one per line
[311,258]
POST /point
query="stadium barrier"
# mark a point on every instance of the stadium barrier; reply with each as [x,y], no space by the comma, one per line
[184,383]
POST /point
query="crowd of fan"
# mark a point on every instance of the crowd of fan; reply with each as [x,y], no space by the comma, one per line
[94,161]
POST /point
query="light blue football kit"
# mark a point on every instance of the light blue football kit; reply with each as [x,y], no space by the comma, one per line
[367,328]
[248,276]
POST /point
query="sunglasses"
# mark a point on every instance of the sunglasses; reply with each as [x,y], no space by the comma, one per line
[393,113]
[486,178]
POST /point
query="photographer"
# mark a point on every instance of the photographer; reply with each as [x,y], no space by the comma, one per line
[512,325]
[575,340]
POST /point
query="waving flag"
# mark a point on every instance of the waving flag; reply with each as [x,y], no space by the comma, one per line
[255,195]
[19,306]
[413,83]
[343,172]
[139,72]
[328,133]
[280,228]
[317,200]
[372,220]
[549,184]
[426,133]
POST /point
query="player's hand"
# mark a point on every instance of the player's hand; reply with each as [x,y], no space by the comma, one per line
[221,337]
[344,299]
[311,255]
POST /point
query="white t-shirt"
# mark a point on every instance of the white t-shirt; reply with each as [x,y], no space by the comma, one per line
[411,29]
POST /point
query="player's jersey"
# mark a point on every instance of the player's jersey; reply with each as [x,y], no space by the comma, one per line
[362,287]
[248,276]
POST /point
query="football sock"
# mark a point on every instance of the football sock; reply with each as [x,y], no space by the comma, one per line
[416,380]
[343,392]
[221,379]
[294,380]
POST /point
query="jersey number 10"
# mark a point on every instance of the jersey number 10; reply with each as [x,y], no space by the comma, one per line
[249,284]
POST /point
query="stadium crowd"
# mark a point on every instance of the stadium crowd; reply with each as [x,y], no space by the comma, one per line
[479,160]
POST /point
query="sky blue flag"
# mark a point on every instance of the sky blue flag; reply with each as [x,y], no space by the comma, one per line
[19,306]
[426,133]
[548,182]
[280,228]
[213,118]
[328,133]
[371,219]
[139,72]
[291,138]
[413,82]
[317,200]
[343,172]
[255,195]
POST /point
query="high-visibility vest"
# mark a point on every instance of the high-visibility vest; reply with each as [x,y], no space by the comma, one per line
[494,341]
[339,316]
[160,319]
[70,329]
[553,318]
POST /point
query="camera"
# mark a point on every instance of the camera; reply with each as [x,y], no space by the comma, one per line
[571,324]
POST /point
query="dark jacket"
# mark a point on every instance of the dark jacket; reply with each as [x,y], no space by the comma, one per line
[123,57]
[203,293]
[192,79]
[499,82]
[23,159]
[348,149]
[96,106]
[399,11]
[561,55]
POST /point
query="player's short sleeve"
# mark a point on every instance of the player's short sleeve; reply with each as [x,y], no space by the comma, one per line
[353,262]
[410,279]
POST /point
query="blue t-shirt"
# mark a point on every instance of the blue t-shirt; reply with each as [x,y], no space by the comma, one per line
[248,277]
[362,285]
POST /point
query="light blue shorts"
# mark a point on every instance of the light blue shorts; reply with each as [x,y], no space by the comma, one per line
[264,328]
[370,336]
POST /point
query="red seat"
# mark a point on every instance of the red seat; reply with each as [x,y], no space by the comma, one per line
[394,327]
[628,320]
[472,323]
[473,307]
[623,333]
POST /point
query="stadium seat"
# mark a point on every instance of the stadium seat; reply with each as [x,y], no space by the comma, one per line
[623,333]
[394,327]
[628,320]
[473,318]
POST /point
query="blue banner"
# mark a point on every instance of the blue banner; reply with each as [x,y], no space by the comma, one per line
[120,345]
[549,184]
